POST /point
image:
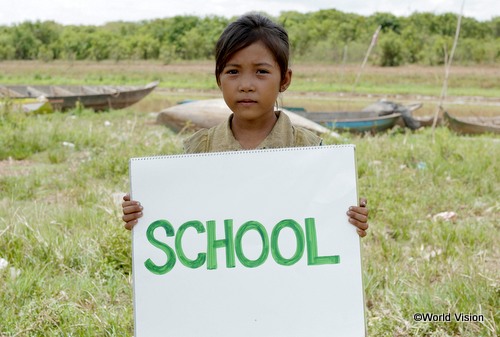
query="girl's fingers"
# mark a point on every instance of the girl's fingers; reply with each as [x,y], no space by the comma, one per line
[359,224]
[131,216]
[357,216]
[361,232]
[131,207]
[359,210]
[129,225]
[358,213]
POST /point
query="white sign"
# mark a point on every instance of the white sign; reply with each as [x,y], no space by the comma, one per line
[250,243]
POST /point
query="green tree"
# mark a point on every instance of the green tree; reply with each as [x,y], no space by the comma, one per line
[389,22]
[495,27]
[391,48]
[436,49]
[444,24]
[469,51]
[413,42]
[7,50]
[300,32]
[198,43]
[99,45]
[25,42]
[423,22]
[144,47]
[75,43]
[325,35]
[471,28]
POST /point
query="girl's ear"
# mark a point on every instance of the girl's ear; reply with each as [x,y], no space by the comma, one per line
[285,82]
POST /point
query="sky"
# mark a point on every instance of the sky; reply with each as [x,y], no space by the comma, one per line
[98,12]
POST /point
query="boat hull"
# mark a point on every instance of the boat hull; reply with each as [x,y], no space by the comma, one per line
[353,121]
[473,125]
[97,98]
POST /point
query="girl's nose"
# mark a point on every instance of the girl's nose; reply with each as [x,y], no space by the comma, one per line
[246,85]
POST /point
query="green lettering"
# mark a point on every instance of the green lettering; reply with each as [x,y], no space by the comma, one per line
[200,260]
[213,244]
[150,265]
[299,236]
[312,247]
[252,225]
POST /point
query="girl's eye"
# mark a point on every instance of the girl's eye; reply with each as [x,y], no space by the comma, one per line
[262,71]
[232,71]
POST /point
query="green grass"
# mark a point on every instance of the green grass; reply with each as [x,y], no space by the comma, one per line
[416,264]
[62,176]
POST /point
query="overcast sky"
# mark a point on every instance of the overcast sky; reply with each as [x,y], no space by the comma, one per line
[97,12]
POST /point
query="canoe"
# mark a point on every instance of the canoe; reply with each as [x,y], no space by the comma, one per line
[66,97]
[473,125]
[200,114]
[353,121]
[376,117]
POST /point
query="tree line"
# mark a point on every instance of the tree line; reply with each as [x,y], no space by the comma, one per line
[328,36]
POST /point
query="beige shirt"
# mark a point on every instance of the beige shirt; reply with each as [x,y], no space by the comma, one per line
[220,138]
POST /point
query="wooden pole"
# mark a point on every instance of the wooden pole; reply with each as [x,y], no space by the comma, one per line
[372,44]
[447,63]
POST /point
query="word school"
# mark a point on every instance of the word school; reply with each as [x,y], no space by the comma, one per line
[233,244]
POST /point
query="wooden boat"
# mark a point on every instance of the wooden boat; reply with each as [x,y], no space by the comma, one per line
[91,97]
[473,125]
[353,121]
[195,115]
[376,117]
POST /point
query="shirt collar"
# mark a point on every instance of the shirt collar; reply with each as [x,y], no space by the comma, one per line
[280,136]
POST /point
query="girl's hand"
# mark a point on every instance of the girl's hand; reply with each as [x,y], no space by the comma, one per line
[132,211]
[358,216]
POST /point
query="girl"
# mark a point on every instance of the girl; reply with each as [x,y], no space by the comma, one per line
[251,70]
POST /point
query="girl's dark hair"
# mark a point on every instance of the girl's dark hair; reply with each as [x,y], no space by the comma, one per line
[248,29]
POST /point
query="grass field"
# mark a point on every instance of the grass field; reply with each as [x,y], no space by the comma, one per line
[66,260]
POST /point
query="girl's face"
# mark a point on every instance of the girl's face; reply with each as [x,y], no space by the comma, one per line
[251,81]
